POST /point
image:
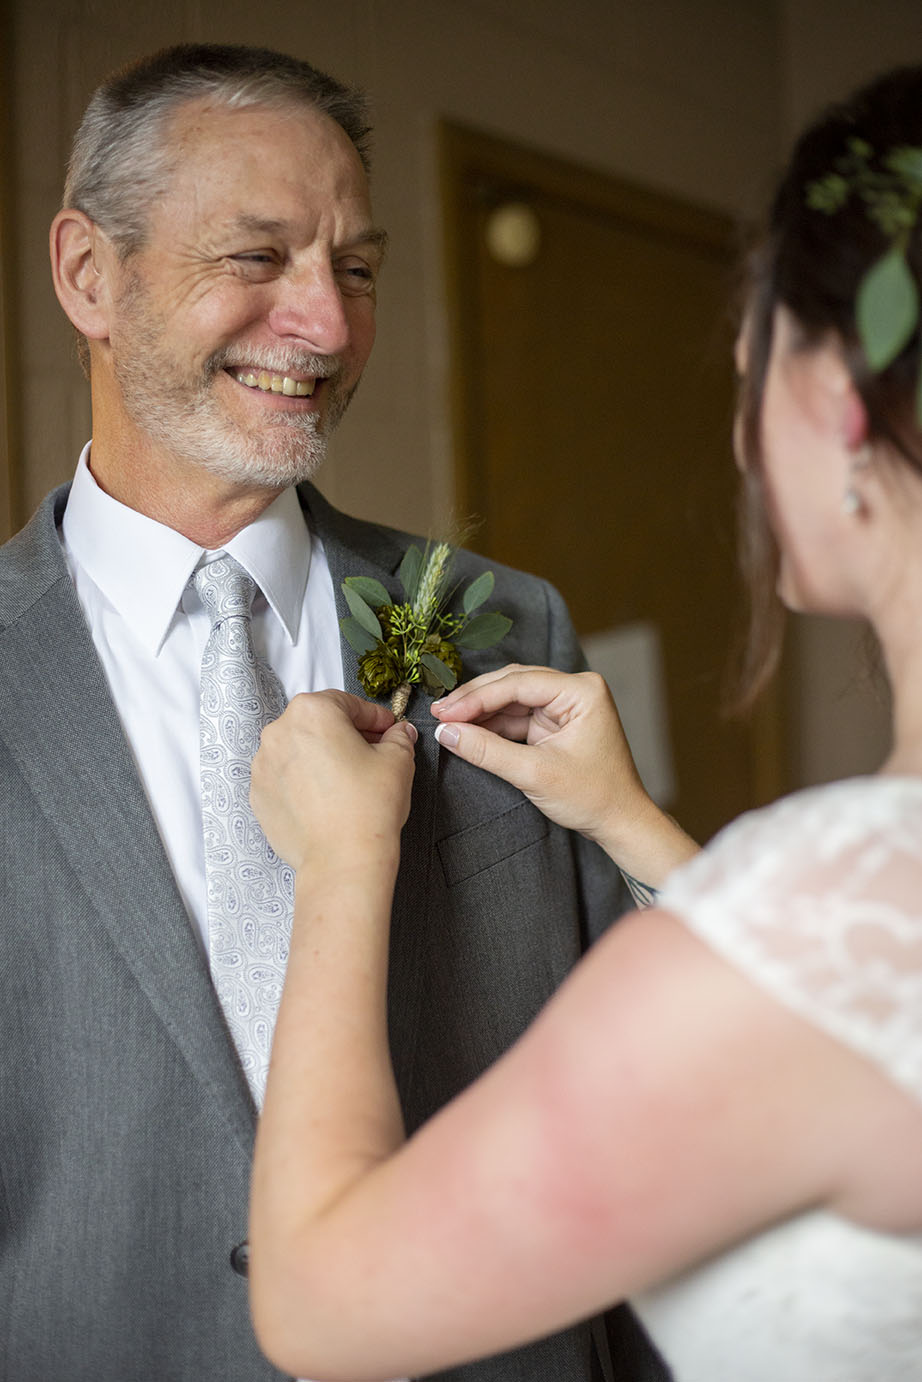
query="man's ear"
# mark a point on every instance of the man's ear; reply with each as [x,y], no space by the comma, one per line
[82,264]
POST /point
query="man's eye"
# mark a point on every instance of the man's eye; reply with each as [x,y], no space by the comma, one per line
[355,277]
[254,260]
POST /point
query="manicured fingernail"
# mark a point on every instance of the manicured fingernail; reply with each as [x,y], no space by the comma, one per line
[410,731]
[447,735]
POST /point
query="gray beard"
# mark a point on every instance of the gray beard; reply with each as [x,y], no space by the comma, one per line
[294,451]
[185,419]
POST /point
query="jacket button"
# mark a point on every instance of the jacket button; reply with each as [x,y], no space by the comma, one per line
[240,1258]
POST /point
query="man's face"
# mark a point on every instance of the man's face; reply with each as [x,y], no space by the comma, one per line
[240,330]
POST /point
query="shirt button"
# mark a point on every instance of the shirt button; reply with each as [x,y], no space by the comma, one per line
[240,1258]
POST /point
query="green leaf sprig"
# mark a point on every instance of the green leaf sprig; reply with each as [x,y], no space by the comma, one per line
[418,642]
[887,301]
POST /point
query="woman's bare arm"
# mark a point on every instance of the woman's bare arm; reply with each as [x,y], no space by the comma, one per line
[618,1142]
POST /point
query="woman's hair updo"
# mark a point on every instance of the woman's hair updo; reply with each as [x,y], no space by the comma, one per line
[812,262]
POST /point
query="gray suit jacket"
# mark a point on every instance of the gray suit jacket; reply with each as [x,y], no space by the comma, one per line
[127,1127]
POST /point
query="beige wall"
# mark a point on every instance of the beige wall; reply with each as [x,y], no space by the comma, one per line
[697,97]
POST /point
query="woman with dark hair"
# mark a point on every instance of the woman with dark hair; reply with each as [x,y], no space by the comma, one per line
[719,1115]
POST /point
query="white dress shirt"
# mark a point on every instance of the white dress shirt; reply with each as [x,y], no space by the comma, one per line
[131,576]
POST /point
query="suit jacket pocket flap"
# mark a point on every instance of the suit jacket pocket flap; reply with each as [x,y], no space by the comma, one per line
[470,851]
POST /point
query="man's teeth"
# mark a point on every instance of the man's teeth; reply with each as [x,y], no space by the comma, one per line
[276,383]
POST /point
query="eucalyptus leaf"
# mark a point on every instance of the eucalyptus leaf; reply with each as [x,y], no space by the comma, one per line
[483,631]
[886,308]
[370,590]
[357,636]
[439,671]
[478,592]
[363,613]
[410,569]
[828,194]
[906,162]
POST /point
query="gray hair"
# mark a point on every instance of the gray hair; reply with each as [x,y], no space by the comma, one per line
[122,161]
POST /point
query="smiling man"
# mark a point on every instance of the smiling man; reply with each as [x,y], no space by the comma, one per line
[227,345]
[218,257]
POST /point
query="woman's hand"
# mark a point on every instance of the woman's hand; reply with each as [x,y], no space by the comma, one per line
[331,781]
[557,736]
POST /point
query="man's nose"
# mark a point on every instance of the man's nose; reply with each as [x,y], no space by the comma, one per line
[308,306]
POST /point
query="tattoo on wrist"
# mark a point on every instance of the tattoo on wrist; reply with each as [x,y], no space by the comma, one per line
[642,893]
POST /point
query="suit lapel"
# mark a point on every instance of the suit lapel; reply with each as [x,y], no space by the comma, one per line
[354,548]
[59,723]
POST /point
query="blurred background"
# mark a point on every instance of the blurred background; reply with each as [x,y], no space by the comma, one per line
[567,189]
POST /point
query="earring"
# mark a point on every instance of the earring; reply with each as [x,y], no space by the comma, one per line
[852,503]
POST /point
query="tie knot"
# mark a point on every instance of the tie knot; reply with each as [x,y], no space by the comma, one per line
[225,589]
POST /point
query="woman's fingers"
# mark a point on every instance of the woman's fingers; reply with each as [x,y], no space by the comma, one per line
[485,678]
[367,716]
[490,751]
[331,773]
[515,690]
[401,736]
[556,736]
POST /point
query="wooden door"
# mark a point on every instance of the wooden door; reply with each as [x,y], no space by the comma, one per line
[593,329]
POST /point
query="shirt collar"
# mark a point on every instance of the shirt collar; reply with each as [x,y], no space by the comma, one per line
[142,566]
[276,550]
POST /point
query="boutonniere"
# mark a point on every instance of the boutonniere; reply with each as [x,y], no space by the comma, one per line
[417,643]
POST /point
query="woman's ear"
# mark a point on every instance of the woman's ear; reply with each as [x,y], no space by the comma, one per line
[854,420]
[840,405]
[82,261]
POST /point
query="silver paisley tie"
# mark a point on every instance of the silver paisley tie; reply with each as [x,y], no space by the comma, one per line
[250,890]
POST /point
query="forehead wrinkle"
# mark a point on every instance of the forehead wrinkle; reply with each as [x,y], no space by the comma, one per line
[265,225]
[375,236]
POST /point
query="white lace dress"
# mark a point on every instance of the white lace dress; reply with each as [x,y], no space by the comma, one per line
[819,900]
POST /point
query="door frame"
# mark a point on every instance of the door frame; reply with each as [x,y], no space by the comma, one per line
[502,170]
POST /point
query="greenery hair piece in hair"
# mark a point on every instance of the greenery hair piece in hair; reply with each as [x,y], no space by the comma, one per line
[887,302]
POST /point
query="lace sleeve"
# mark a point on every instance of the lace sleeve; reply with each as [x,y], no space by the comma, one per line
[818,899]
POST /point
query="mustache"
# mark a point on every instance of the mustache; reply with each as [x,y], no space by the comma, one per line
[273,359]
